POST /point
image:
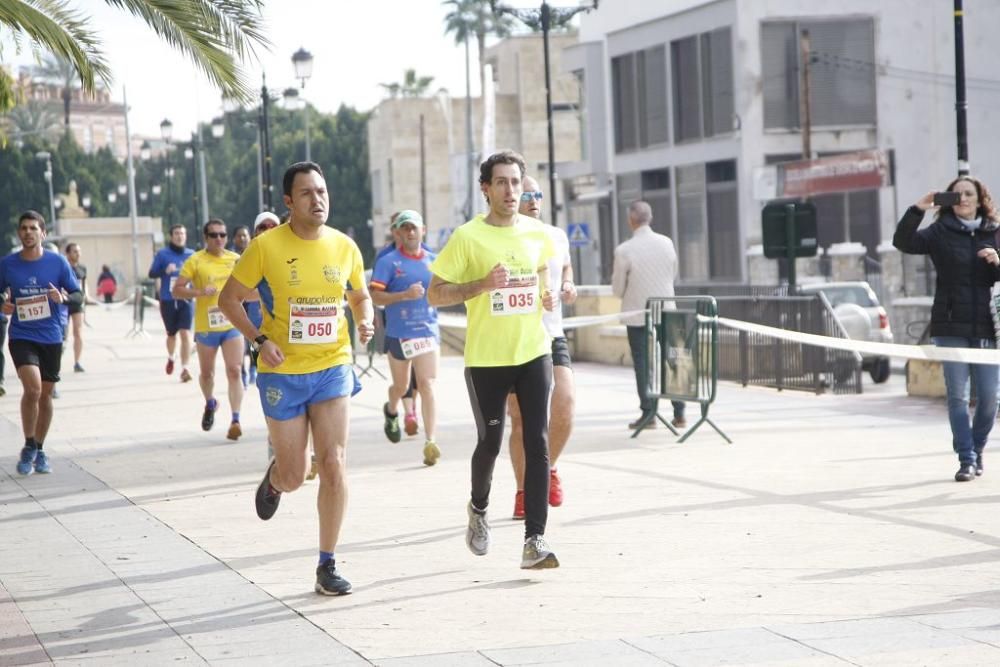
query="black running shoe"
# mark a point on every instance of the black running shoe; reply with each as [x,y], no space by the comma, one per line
[979,462]
[329,581]
[966,473]
[391,424]
[208,419]
[265,501]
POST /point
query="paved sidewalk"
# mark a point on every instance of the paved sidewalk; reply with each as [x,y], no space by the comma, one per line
[830,533]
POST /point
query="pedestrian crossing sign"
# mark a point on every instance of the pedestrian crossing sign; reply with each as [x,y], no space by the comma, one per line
[579,234]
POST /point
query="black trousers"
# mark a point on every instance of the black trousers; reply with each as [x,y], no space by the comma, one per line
[637,344]
[488,390]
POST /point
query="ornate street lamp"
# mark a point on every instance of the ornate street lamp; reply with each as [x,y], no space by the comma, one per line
[302,61]
[544,18]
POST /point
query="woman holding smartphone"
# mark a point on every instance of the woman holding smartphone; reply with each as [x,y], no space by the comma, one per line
[961,243]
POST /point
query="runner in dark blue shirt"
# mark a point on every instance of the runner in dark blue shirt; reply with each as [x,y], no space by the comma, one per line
[33,282]
[177,314]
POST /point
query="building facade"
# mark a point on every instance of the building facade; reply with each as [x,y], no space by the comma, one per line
[684,102]
[417,145]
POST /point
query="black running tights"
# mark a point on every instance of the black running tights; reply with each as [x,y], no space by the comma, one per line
[488,389]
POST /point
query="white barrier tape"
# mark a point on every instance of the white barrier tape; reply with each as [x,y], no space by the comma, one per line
[459,321]
[926,352]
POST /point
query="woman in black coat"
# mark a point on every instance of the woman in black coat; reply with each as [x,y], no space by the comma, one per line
[962,245]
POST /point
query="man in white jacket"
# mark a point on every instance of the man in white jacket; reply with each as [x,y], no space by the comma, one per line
[645,266]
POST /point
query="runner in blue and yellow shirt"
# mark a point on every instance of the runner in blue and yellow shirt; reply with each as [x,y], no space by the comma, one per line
[399,282]
[304,271]
[202,278]
[32,285]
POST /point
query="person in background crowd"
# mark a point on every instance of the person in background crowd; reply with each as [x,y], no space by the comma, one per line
[107,284]
[962,245]
[645,266]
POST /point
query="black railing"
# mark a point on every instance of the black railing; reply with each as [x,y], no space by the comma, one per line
[757,359]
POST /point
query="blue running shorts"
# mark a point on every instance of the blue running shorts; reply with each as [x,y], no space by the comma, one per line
[216,338]
[285,397]
[176,314]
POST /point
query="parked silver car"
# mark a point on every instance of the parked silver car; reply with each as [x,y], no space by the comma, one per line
[857,308]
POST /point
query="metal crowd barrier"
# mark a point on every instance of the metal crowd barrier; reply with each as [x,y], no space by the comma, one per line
[682,360]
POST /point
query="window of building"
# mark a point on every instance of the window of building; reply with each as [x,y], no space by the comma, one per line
[625,96]
[841,72]
[639,88]
[725,251]
[692,230]
[702,74]
[581,113]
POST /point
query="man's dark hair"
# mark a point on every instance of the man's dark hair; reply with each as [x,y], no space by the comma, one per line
[70,246]
[292,171]
[32,215]
[237,230]
[503,157]
[212,221]
[176,226]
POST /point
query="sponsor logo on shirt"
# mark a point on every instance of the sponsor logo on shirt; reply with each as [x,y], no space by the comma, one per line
[331,273]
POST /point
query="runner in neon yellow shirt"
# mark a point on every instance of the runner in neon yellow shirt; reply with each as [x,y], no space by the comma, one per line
[201,278]
[304,271]
[496,265]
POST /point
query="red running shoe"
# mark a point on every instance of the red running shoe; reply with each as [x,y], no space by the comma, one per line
[410,424]
[518,505]
[555,489]
[170,366]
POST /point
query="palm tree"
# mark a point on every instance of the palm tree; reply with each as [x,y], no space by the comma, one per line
[218,36]
[33,119]
[475,18]
[412,85]
[62,72]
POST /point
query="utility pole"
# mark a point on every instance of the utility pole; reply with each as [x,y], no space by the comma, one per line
[961,104]
[805,109]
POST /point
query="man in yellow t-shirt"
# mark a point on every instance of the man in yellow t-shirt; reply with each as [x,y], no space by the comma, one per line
[201,278]
[496,265]
[303,272]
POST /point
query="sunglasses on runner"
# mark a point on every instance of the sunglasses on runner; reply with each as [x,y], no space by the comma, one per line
[215,235]
[528,196]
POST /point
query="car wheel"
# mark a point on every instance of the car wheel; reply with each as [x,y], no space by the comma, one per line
[880,370]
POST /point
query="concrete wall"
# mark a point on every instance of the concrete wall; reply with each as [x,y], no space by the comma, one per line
[109,241]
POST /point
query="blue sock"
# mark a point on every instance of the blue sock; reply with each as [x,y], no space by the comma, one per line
[211,403]
[236,417]
[325,557]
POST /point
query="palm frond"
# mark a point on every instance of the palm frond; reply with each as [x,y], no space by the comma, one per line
[214,34]
[52,24]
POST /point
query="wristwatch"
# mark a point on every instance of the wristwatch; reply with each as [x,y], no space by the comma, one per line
[258,341]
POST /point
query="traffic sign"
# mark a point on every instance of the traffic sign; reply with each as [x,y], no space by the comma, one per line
[579,234]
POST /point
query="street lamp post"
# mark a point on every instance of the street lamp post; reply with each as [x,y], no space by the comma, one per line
[195,229]
[544,18]
[302,61]
[47,156]
[265,145]
[166,133]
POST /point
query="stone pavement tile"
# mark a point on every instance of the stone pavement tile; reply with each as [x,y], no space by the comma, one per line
[577,653]
[877,641]
[980,618]
[460,659]
[742,646]
[18,643]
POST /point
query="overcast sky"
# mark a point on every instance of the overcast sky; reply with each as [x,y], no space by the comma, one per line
[357,44]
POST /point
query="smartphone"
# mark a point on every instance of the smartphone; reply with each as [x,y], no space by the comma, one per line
[947,198]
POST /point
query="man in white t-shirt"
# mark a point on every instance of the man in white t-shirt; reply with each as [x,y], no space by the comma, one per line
[563,394]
